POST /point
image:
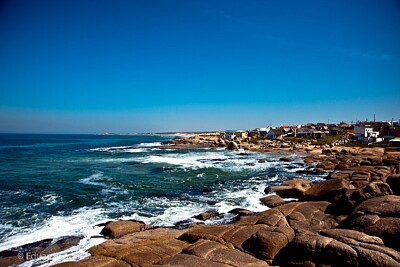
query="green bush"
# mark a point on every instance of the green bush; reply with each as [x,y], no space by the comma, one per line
[327,140]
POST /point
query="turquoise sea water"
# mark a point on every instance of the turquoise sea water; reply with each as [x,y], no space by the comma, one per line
[57,185]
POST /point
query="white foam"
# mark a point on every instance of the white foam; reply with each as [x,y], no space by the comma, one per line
[135,150]
[81,222]
[152,144]
[175,214]
[247,198]
[272,179]
[114,160]
[75,253]
[126,149]
[93,179]
[225,161]
[175,211]
[6,226]
[112,148]
[189,162]
[50,199]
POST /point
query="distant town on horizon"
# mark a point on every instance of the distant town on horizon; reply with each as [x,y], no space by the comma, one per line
[362,131]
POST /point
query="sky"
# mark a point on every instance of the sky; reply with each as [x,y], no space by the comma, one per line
[72,66]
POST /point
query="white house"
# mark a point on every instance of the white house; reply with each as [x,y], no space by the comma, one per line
[233,134]
[365,133]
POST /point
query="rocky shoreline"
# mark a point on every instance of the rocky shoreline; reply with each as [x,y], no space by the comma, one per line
[352,218]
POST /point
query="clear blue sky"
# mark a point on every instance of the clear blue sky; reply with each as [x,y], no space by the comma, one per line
[140,66]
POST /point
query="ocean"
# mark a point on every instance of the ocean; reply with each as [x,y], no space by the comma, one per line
[61,185]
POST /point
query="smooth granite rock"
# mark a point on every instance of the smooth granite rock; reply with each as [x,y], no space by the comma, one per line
[272,201]
[117,229]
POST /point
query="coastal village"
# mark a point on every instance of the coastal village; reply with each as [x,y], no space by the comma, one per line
[306,138]
[363,132]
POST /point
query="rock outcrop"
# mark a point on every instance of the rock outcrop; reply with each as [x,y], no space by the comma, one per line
[144,248]
[211,253]
[350,219]
[35,250]
[378,216]
[120,228]
[233,145]
[294,188]
[337,247]
[352,198]
[206,215]
[272,201]
[330,190]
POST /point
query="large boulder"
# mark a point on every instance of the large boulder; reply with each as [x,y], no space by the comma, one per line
[378,216]
[117,229]
[286,159]
[385,206]
[272,201]
[262,240]
[233,145]
[351,198]
[285,191]
[221,143]
[210,253]
[301,184]
[231,235]
[206,215]
[100,261]
[241,212]
[337,247]
[298,215]
[330,190]
[144,248]
[308,215]
[342,174]
[328,166]
[266,244]
[391,162]
[37,249]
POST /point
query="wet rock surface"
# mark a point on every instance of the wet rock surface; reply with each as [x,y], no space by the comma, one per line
[120,228]
[36,250]
[206,215]
[272,201]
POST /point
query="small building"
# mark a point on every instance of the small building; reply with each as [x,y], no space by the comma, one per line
[304,132]
[365,133]
[318,134]
[287,130]
[335,130]
[276,133]
[344,125]
[242,134]
[233,134]
[263,131]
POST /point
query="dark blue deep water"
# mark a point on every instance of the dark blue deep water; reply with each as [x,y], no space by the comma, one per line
[57,185]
